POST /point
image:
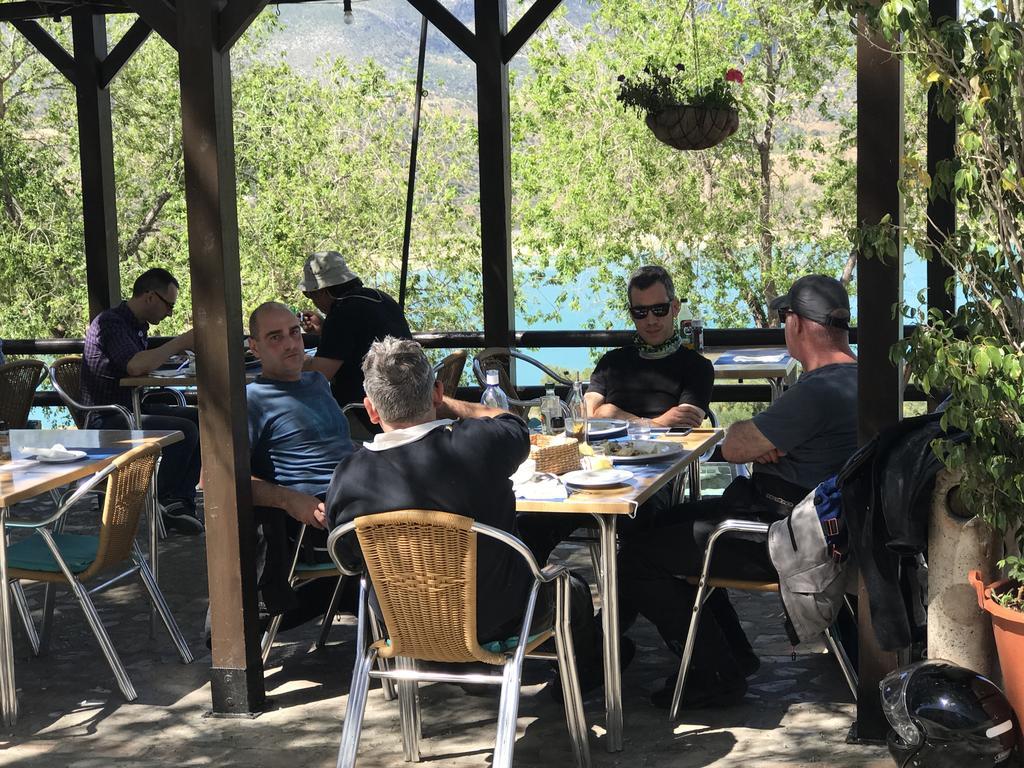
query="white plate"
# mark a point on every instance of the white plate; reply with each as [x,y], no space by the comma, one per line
[646,451]
[602,429]
[62,458]
[596,478]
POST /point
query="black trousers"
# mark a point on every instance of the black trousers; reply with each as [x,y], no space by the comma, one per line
[652,571]
[181,462]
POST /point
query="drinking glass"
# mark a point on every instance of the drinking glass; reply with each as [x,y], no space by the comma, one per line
[640,429]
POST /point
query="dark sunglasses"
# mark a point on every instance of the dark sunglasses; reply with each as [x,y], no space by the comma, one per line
[660,310]
[169,304]
[784,313]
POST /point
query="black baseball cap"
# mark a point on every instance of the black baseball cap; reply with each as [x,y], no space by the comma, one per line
[820,298]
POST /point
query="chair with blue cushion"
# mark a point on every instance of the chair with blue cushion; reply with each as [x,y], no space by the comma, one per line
[300,573]
[54,557]
[423,567]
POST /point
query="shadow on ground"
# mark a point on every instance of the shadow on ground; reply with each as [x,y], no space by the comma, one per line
[797,712]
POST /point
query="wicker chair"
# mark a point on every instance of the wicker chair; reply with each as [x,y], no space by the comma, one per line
[449,371]
[706,585]
[492,358]
[423,567]
[66,375]
[55,557]
[302,573]
[18,382]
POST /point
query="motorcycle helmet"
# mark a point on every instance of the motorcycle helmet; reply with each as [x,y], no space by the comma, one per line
[945,716]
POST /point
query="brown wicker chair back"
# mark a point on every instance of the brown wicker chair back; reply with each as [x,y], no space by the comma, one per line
[124,502]
[449,372]
[18,382]
[67,375]
[423,568]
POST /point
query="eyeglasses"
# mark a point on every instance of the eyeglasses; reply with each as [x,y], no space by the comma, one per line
[168,304]
[639,312]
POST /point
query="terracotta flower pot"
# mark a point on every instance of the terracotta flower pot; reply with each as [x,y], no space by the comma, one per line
[1008,628]
[690,127]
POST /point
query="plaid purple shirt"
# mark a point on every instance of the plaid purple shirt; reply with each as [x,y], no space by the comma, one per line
[114,337]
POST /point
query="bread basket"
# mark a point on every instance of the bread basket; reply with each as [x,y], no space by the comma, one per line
[555,454]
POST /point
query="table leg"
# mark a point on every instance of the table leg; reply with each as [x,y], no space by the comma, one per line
[153,514]
[8,690]
[610,626]
[694,479]
[776,385]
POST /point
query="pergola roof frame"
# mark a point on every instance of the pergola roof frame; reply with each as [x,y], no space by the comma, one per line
[206,30]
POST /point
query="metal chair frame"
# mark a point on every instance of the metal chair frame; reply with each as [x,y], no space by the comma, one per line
[706,585]
[408,676]
[82,594]
[298,575]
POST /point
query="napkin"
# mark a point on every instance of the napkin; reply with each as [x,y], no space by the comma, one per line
[541,488]
[778,358]
[58,451]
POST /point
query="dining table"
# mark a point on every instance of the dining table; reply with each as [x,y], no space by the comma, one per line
[773,364]
[24,477]
[607,506]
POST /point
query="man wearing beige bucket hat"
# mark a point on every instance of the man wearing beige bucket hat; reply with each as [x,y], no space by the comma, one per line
[354,317]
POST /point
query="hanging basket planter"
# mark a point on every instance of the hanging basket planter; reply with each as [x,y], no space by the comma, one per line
[691,127]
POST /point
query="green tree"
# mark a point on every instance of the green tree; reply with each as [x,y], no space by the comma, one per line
[594,189]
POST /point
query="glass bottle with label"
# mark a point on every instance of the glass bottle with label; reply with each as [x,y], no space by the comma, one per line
[577,424]
[551,412]
[5,442]
[686,323]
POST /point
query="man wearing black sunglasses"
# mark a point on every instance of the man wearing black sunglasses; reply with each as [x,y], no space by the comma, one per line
[116,346]
[656,377]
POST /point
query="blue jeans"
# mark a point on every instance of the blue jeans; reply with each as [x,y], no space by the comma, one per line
[180,462]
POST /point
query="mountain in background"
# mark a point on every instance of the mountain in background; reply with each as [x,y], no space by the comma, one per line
[386,31]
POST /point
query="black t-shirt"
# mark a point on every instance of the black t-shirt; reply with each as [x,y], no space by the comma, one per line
[462,468]
[356,320]
[648,388]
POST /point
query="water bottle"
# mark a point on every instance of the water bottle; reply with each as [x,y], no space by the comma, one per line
[686,324]
[494,396]
[577,413]
[551,412]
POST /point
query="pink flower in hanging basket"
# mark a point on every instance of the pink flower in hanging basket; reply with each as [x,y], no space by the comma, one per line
[734,76]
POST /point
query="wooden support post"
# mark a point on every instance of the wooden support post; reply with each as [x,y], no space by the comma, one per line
[96,150]
[941,212]
[879,287]
[495,173]
[210,196]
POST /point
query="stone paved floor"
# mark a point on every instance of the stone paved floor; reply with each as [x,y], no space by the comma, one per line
[797,713]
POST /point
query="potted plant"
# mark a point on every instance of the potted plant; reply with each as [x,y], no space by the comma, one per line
[680,113]
[976,355]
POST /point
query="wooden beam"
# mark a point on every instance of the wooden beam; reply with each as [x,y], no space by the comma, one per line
[161,17]
[235,18]
[210,198]
[449,25]
[96,152]
[525,28]
[879,287]
[495,174]
[121,53]
[941,212]
[46,45]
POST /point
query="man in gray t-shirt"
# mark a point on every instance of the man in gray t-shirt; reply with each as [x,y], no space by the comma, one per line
[800,440]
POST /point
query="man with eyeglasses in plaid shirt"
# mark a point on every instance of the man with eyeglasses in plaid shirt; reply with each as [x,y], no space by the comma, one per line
[116,346]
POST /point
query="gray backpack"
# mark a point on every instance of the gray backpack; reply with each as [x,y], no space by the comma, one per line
[811,568]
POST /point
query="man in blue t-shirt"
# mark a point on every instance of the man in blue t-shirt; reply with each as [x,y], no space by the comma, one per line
[297,436]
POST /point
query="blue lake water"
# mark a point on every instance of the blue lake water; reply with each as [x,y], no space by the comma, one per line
[544,298]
